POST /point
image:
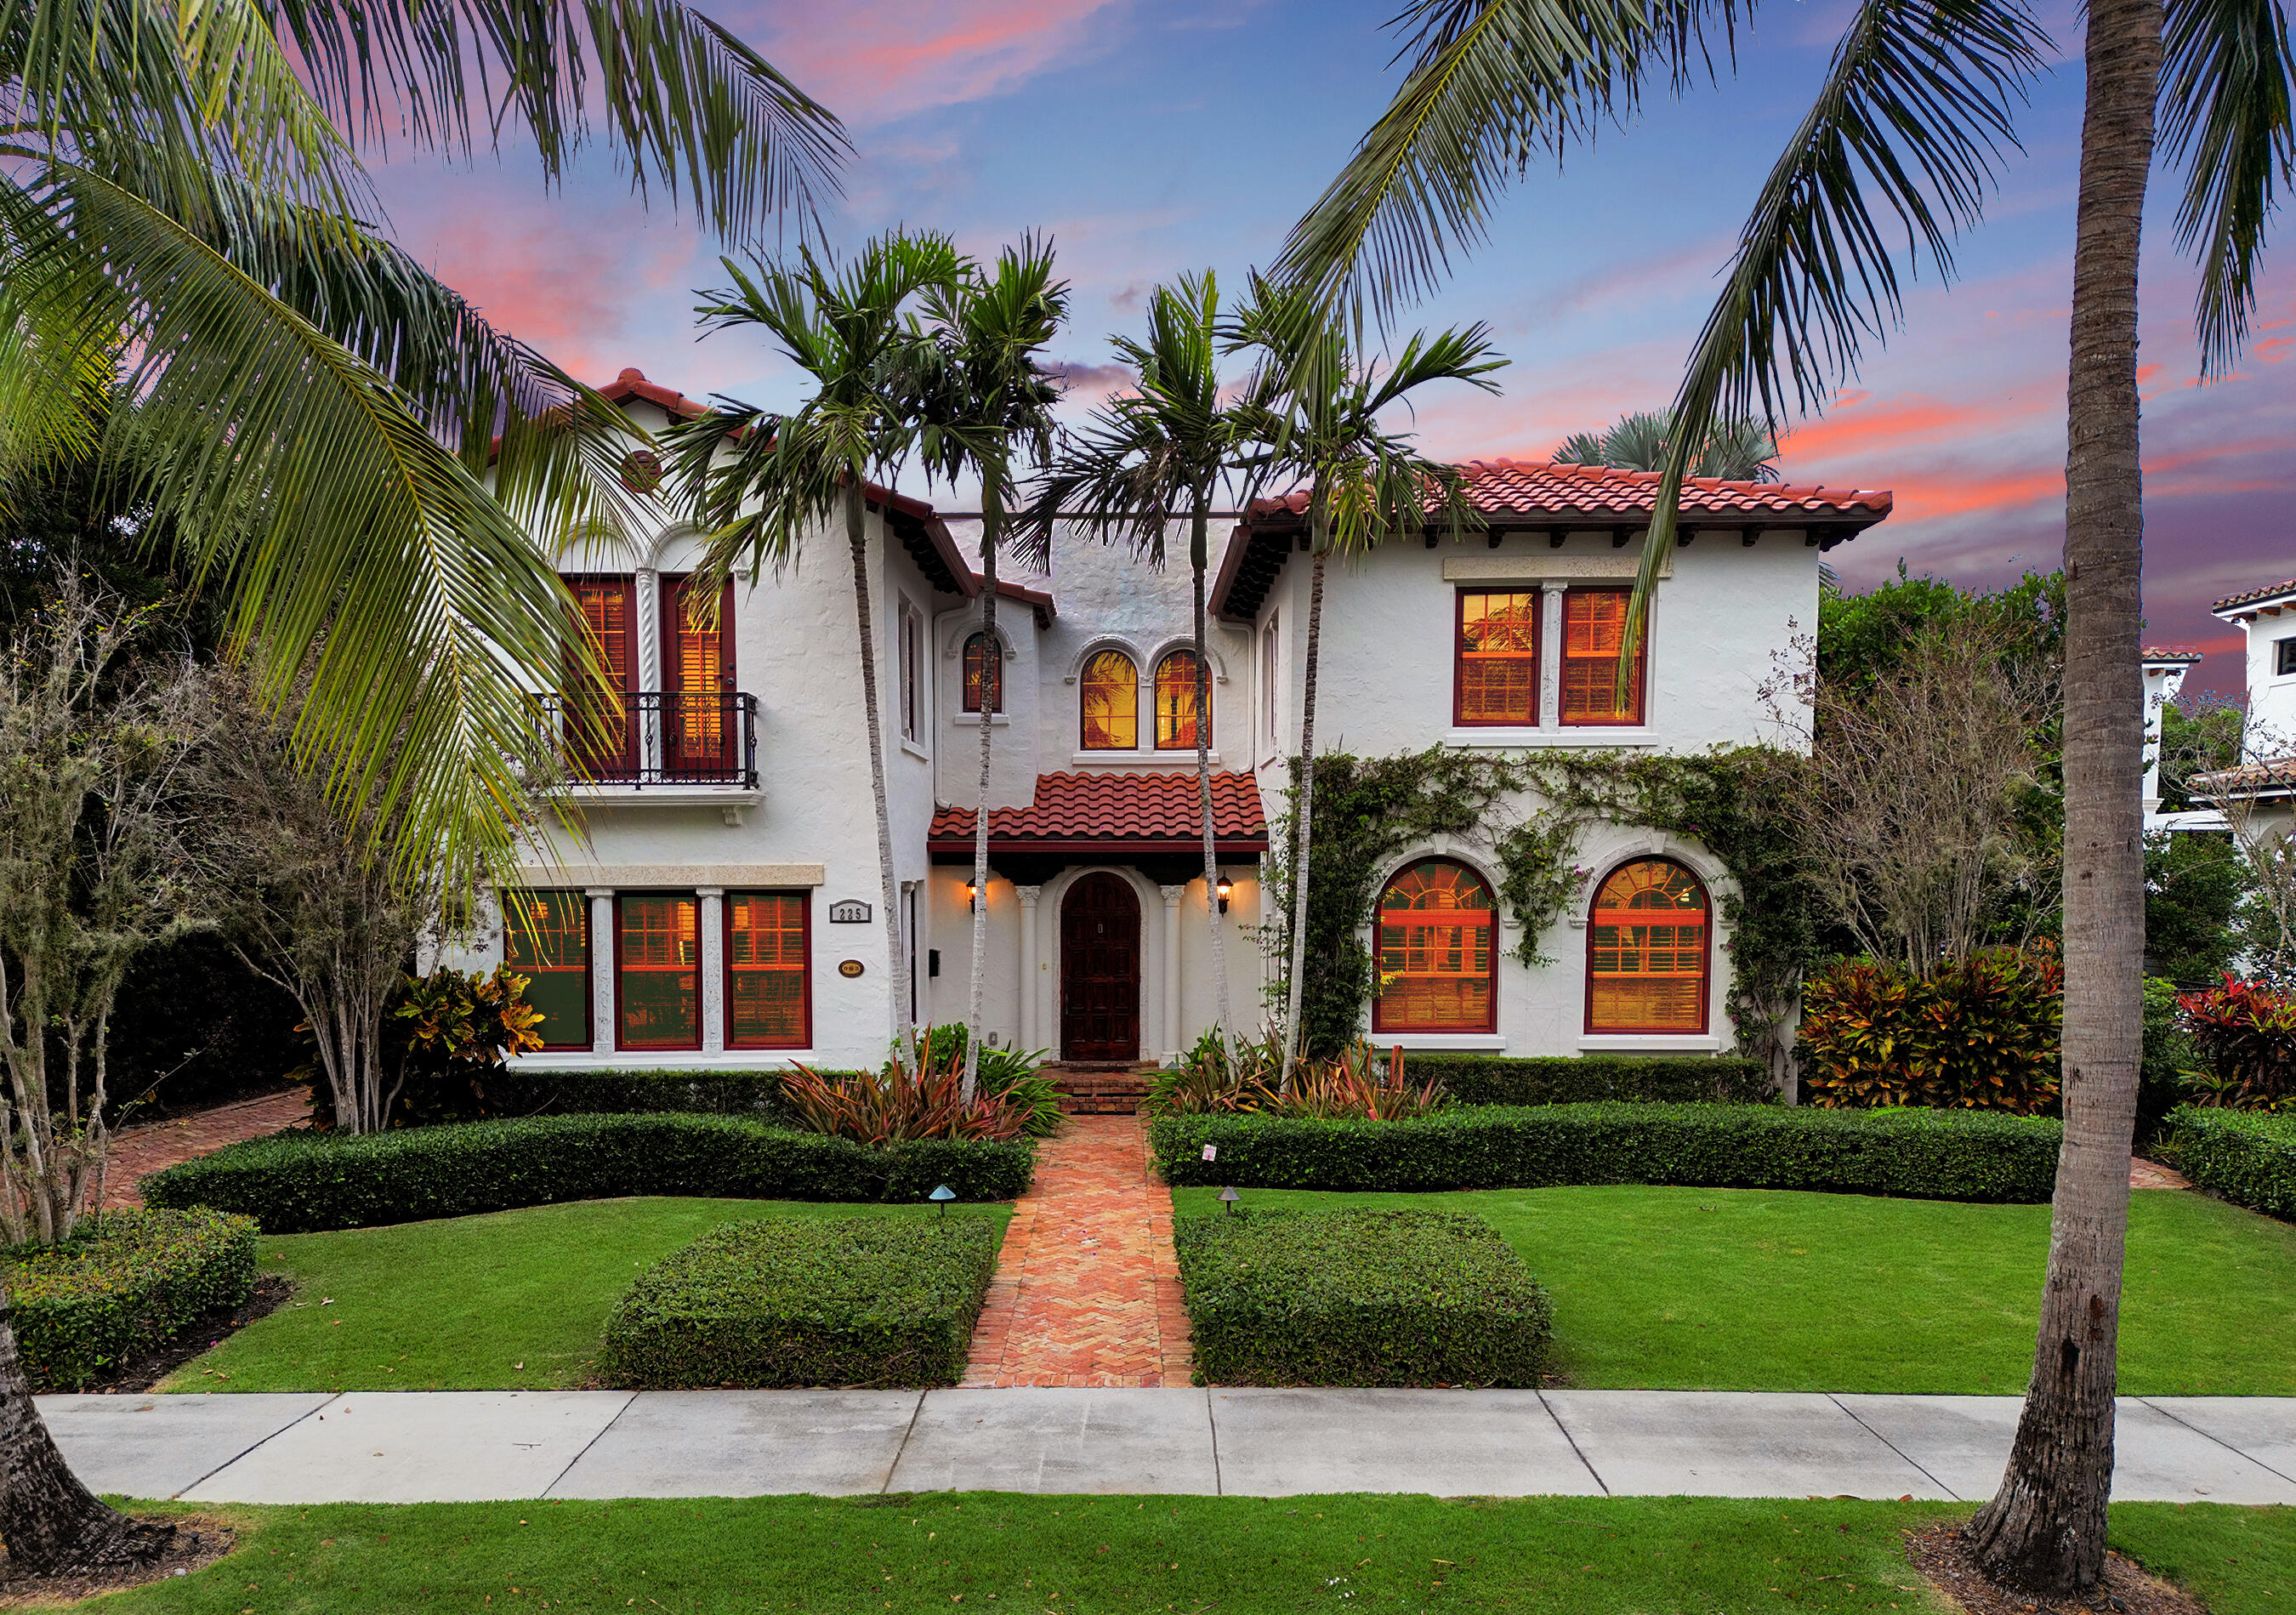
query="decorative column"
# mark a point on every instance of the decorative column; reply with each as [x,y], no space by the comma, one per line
[1026,1036]
[601,968]
[645,604]
[1550,655]
[1172,896]
[713,968]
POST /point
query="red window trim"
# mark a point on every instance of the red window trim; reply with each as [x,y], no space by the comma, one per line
[589,955]
[1459,719]
[673,674]
[992,673]
[1156,713]
[1642,676]
[1490,1022]
[627,756]
[726,962]
[1705,960]
[1084,743]
[643,1048]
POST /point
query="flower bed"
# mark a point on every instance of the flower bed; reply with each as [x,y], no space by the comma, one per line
[867,1302]
[298,1183]
[118,1290]
[1360,1298]
[2247,1156]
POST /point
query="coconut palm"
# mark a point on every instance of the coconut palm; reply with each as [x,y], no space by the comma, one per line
[984,399]
[1148,456]
[1910,123]
[758,483]
[1366,483]
[1739,450]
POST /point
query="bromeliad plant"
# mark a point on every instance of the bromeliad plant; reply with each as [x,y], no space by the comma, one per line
[1358,1086]
[1981,1033]
[919,1096]
[1014,1075]
[2246,1036]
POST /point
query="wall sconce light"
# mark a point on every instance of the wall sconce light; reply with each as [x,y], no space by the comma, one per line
[1227,890]
[968,894]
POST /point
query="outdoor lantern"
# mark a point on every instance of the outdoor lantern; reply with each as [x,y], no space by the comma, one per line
[1228,1197]
[969,890]
[1227,890]
[940,1198]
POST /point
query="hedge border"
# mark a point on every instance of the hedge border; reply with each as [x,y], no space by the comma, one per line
[1582,1078]
[124,1286]
[2248,1157]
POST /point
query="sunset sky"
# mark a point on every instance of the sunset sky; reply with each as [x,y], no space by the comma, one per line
[1151,139]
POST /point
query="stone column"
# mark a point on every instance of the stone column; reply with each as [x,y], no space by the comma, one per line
[1550,655]
[712,921]
[601,968]
[645,604]
[1026,1034]
[1172,896]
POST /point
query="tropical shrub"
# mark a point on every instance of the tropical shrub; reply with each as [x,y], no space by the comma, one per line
[2248,1157]
[921,1097]
[2167,1062]
[449,1037]
[1208,1079]
[1982,1033]
[1356,1085]
[866,1302]
[2246,1036]
[1011,1074]
[124,1285]
[1360,1298]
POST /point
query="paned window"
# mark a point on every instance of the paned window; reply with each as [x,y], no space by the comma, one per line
[698,665]
[2283,654]
[1647,951]
[767,1004]
[913,673]
[598,734]
[1497,678]
[984,675]
[658,972]
[1267,667]
[546,939]
[1110,702]
[1438,951]
[1594,640]
[1175,702]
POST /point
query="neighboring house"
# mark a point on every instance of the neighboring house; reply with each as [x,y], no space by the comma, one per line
[721,910]
[2165,668]
[2260,794]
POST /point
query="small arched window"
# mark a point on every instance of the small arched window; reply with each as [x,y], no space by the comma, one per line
[984,675]
[1438,951]
[1110,702]
[1648,944]
[1175,703]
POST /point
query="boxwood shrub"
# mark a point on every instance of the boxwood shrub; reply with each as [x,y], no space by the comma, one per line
[2247,1156]
[1360,1298]
[869,1300]
[1925,1154]
[299,1182]
[520,1090]
[122,1287]
[1568,1079]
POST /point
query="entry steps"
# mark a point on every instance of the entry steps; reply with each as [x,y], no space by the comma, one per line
[1102,1087]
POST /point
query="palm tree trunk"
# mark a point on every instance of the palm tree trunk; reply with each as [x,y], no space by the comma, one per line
[856,536]
[1303,811]
[2044,1529]
[992,519]
[1199,558]
[52,1524]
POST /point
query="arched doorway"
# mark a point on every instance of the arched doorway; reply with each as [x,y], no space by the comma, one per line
[1100,969]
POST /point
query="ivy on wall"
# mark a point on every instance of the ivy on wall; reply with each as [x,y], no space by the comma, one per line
[1526,813]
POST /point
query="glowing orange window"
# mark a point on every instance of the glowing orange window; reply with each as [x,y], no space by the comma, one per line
[1438,953]
[546,939]
[1497,678]
[984,675]
[1110,702]
[700,668]
[658,980]
[598,721]
[766,988]
[1593,642]
[1647,951]
[1175,702]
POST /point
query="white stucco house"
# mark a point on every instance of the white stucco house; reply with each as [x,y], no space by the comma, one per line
[2260,793]
[720,908]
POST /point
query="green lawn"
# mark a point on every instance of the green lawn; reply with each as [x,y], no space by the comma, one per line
[512,1300]
[1760,1290]
[1100,1555]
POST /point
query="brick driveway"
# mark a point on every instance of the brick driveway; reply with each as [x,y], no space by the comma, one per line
[142,1149]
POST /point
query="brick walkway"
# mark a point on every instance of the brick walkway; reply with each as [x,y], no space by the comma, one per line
[2144,1174]
[1087,1291]
[163,1144]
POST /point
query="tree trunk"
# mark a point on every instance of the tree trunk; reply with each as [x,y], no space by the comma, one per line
[1199,558]
[52,1524]
[856,534]
[992,521]
[1303,814]
[2044,1531]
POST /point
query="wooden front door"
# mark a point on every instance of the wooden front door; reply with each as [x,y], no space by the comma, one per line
[1100,970]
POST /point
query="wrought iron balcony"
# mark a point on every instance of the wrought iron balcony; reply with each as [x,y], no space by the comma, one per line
[656,737]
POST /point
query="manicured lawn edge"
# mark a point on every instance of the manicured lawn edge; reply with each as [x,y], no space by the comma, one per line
[2246,1156]
[122,1286]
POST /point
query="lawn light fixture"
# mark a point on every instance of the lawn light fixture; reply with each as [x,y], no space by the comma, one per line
[940,1198]
[1227,890]
[1228,1197]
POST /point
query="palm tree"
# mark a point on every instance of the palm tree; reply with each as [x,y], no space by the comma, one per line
[1144,457]
[1365,484]
[1738,451]
[985,400]
[1912,117]
[779,476]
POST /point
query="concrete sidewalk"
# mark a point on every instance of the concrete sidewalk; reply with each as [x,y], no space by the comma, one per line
[421,1447]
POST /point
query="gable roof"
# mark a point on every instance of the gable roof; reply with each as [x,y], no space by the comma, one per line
[1535,495]
[1135,813]
[2271,591]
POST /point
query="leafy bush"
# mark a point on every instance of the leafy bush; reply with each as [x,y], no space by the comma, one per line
[1569,1079]
[872,1300]
[523,1089]
[298,1182]
[920,1097]
[1922,1155]
[1982,1033]
[121,1288]
[2167,1062]
[1360,1298]
[2246,1036]
[1357,1084]
[450,1036]
[2247,1156]
[1208,1078]
[1010,1074]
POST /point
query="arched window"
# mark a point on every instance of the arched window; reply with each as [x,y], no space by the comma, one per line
[1111,703]
[1438,951]
[1647,947]
[984,673]
[1175,703]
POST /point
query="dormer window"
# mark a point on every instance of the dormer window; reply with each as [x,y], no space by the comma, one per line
[1175,703]
[1109,703]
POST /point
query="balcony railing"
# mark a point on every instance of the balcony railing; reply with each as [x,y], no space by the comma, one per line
[656,737]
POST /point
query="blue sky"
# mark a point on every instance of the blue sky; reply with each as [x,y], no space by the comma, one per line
[1148,139]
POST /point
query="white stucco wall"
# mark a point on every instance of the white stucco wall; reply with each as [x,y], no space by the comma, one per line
[2271,727]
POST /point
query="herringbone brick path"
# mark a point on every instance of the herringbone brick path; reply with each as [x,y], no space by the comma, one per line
[163,1144]
[1087,1291]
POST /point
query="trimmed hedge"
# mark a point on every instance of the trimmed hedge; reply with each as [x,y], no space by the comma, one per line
[301,1182]
[122,1288]
[1573,1079]
[2247,1156]
[868,1302]
[519,1091]
[1360,1298]
[1974,1155]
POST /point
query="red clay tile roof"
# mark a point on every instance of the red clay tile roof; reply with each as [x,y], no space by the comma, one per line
[2152,654]
[1144,812]
[2286,585]
[1038,601]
